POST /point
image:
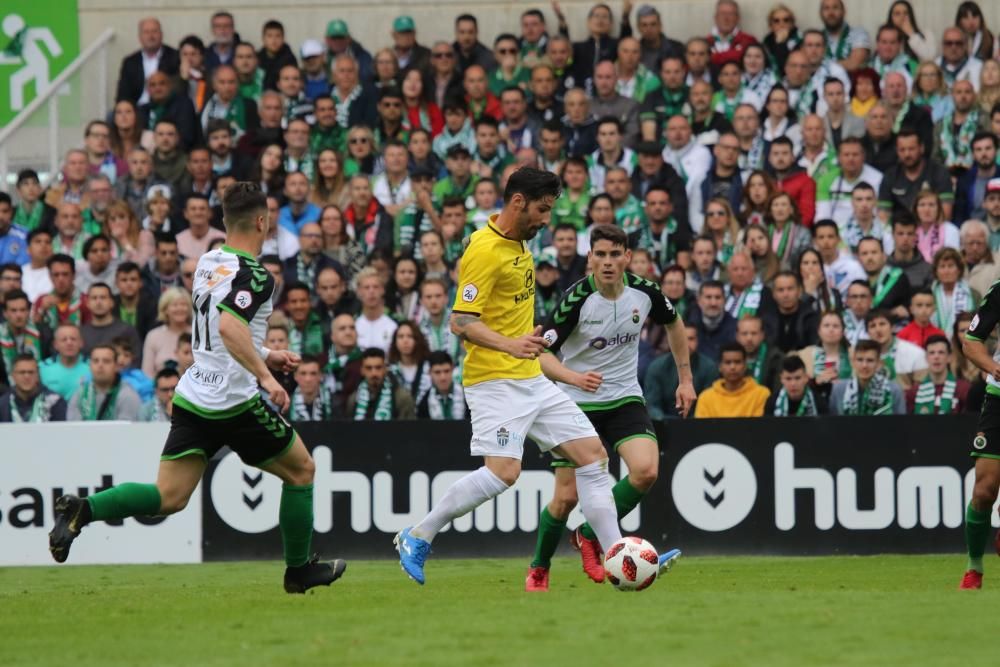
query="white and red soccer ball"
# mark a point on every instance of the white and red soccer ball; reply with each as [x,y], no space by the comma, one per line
[631,564]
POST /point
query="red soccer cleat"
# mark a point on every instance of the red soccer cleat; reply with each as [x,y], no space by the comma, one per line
[537,580]
[590,554]
[971,581]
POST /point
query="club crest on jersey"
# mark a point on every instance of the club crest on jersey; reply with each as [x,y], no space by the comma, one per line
[243,299]
[503,436]
[635,316]
[979,442]
[469,293]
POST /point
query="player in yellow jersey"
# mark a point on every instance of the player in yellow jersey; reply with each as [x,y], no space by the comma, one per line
[508,396]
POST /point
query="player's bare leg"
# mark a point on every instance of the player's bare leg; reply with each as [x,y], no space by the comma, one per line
[176,480]
[551,524]
[296,469]
[977,519]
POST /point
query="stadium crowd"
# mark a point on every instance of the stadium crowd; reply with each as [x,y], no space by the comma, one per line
[820,203]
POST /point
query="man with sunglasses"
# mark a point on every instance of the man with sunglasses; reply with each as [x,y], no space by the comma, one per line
[955,61]
[446,75]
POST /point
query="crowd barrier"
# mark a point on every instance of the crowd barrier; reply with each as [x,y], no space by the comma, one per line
[763,486]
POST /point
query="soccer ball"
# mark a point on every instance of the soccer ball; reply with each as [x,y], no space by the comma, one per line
[631,564]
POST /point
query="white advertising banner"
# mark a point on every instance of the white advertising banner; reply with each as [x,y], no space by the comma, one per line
[40,462]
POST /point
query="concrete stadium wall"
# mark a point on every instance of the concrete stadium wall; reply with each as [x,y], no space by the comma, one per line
[370,23]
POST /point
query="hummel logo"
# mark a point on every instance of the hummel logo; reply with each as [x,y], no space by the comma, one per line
[714,481]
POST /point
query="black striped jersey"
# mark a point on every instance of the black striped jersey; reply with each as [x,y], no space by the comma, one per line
[233,281]
[592,333]
[985,321]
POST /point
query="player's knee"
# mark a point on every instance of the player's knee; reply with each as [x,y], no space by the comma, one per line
[172,501]
[643,477]
[984,493]
[304,473]
[563,502]
[506,470]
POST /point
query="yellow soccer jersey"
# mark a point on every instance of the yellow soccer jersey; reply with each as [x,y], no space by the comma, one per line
[497,282]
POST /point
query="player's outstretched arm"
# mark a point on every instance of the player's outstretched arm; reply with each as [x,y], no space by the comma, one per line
[469,327]
[976,352]
[236,337]
[556,371]
[686,394]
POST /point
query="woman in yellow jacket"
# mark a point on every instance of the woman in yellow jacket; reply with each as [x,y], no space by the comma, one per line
[735,394]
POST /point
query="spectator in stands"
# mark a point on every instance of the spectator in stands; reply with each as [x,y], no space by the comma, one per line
[571,265]
[125,361]
[199,235]
[355,99]
[189,265]
[714,325]
[840,266]
[306,264]
[379,397]
[409,53]
[891,289]
[185,356]
[64,371]
[193,77]
[904,362]
[104,397]
[763,358]
[734,394]
[858,300]
[478,96]
[840,122]
[10,280]
[433,319]
[305,334]
[745,293]
[131,306]
[445,399]
[130,243]
[793,180]
[169,161]
[152,56]
[163,271]
[35,274]
[250,77]
[333,298]
[311,401]
[941,393]
[952,136]
[922,309]
[161,406]
[28,400]
[100,158]
[97,265]
[174,311]
[221,50]
[95,216]
[869,391]
[31,212]
[134,187]
[228,104]
[13,240]
[467,47]
[274,53]
[372,227]
[293,97]
[723,178]
[797,318]
[753,147]
[104,327]
[972,186]
[18,335]
[984,269]
[726,40]
[374,327]
[660,382]
[407,359]
[835,189]
[812,276]
[902,182]
[71,189]
[64,304]
[343,372]
[403,293]
[955,61]
[951,292]
[671,235]
[829,358]
[796,397]
[166,105]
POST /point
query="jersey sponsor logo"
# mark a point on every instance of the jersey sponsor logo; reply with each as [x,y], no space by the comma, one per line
[524,296]
[601,342]
[243,299]
[550,337]
[979,442]
[216,276]
[203,376]
[469,293]
[529,278]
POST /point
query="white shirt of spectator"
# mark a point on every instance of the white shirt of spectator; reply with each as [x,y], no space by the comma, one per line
[952,239]
[909,358]
[692,162]
[284,245]
[970,71]
[386,196]
[375,333]
[838,207]
[150,64]
[35,282]
[844,270]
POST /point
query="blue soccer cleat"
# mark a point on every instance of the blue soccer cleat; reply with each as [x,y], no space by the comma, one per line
[412,554]
[668,560]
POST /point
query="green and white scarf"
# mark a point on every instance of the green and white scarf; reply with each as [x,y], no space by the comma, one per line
[254,89]
[12,345]
[338,362]
[384,404]
[840,49]
[947,308]
[889,360]
[73,249]
[234,113]
[782,246]
[53,319]
[887,279]
[761,84]
[440,337]
[748,303]
[301,412]
[29,221]
[807,407]
[754,158]
[757,365]
[957,149]
[663,250]
[843,362]
[421,383]
[344,105]
[853,232]
[310,339]
[449,406]
[41,409]
[876,399]
[306,273]
[154,411]
[90,410]
[926,403]
[898,123]
[721,103]
[853,326]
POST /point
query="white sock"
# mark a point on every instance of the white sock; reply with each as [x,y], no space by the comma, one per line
[593,485]
[461,498]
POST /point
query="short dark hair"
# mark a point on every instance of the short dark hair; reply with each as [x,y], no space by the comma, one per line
[878,314]
[903,219]
[61,258]
[786,273]
[711,284]
[311,359]
[24,356]
[612,233]
[504,37]
[241,200]
[167,372]
[127,267]
[867,345]
[101,285]
[488,121]
[162,238]
[513,89]
[11,266]
[792,364]
[439,358]
[533,184]
[565,226]
[466,17]
[37,232]
[122,343]
[937,338]
[89,243]
[296,286]
[906,132]
[859,283]
[983,134]
[537,13]
[6,199]
[872,238]
[732,346]
[783,141]
[370,352]
[452,201]
[863,185]
[819,224]
[392,92]
[613,120]
[921,291]
[273,25]
[26,174]
[16,295]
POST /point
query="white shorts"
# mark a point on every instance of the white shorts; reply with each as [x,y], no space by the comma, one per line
[505,412]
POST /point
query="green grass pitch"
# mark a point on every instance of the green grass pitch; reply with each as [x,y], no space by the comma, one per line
[886,610]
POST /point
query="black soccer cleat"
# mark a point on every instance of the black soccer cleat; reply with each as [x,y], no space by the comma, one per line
[312,574]
[69,512]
